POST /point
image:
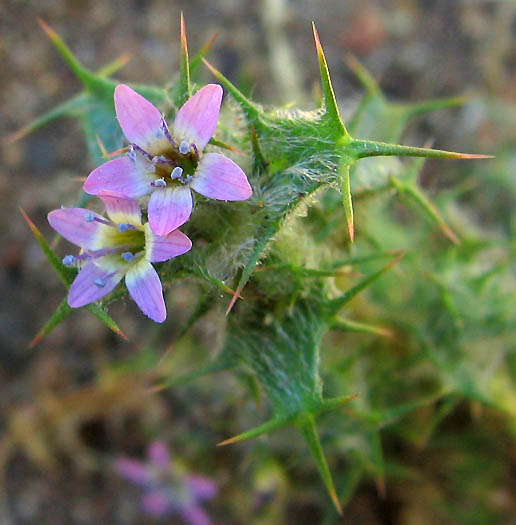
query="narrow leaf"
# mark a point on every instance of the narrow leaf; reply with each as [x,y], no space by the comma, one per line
[250,109]
[330,102]
[336,304]
[345,325]
[416,195]
[309,432]
[72,105]
[184,67]
[370,148]
[345,190]
[205,49]
[269,426]
[62,312]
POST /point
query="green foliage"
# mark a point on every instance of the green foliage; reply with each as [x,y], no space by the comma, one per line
[288,254]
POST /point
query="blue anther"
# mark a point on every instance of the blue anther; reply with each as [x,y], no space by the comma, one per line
[69,260]
[89,217]
[176,173]
[99,282]
[127,256]
[123,227]
[158,183]
[184,147]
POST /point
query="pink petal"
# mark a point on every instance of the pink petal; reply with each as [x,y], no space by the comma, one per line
[195,515]
[121,209]
[158,454]
[201,487]
[128,176]
[196,120]
[163,247]
[140,120]
[134,471]
[157,503]
[144,287]
[169,208]
[73,226]
[84,290]
[218,177]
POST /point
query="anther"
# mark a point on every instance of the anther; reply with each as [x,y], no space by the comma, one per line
[123,227]
[184,147]
[99,282]
[176,173]
[161,159]
[69,260]
[159,183]
[127,256]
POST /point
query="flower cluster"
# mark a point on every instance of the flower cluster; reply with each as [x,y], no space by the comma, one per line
[165,164]
[165,491]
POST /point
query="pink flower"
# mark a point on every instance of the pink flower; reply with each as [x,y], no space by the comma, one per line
[167,164]
[118,247]
[165,491]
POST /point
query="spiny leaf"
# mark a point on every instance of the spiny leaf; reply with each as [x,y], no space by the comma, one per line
[346,325]
[71,106]
[308,430]
[369,148]
[330,103]
[269,426]
[260,243]
[85,76]
[205,49]
[416,195]
[65,273]
[345,190]
[184,67]
[251,110]
[334,305]
[217,366]
[61,313]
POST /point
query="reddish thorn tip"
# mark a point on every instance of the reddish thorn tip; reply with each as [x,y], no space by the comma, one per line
[48,30]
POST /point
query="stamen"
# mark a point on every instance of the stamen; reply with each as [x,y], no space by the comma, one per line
[161,159]
[135,148]
[90,217]
[164,127]
[195,150]
[159,183]
[99,282]
[127,256]
[69,260]
[123,227]
[176,173]
[184,147]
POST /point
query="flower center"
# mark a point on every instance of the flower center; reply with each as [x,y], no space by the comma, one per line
[122,243]
[174,166]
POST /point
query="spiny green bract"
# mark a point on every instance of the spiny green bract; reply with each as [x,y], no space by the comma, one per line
[287,250]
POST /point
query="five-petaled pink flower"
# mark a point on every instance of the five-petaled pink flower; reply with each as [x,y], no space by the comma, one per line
[165,491]
[117,247]
[166,163]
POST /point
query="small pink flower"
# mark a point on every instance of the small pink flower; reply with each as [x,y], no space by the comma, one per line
[168,164]
[118,247]
[165,491]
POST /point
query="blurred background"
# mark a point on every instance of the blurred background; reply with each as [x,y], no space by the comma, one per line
[74,402]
